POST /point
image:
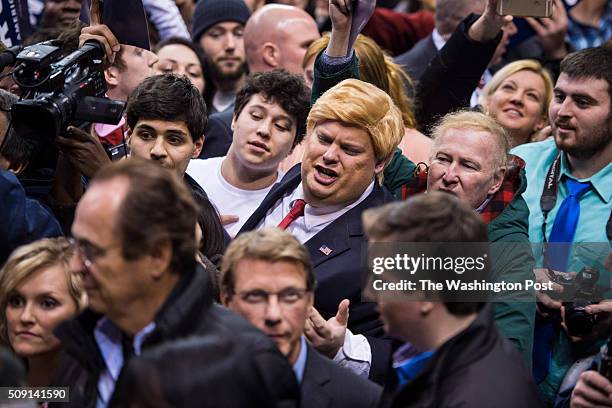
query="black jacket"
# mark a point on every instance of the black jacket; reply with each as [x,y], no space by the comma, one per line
[327,385]
[218,134]
[416,60]
[188,311]
[452,75]
[478,368]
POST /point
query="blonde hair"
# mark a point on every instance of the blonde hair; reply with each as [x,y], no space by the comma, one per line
[29,259]
[269,244]
[475,121]
[362,105]
[512,68]
[377,68]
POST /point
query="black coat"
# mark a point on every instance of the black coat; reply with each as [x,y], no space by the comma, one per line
[218,134]
[188,311]
[415,60]
[327,385]
[339,273]
[452,75]
[478,368]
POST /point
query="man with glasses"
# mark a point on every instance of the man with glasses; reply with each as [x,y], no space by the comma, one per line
[268,278]
[135,244]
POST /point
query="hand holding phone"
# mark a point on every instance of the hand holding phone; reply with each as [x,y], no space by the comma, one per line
[551,32]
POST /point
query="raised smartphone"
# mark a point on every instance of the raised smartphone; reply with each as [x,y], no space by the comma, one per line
[525,8]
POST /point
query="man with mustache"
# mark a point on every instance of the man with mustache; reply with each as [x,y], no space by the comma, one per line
[218,27]
[572,171]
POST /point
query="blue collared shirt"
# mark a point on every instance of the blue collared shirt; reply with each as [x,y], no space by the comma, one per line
[595,204]
[408,362]
[108,337]
[300,364]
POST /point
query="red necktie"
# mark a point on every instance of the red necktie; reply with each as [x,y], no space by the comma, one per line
[296,211]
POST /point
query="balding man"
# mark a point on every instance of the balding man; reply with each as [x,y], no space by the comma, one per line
[134,245]
[277,36]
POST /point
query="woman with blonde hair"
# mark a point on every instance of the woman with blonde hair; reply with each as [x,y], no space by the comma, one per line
[37,292]
[518,96]
[378,68]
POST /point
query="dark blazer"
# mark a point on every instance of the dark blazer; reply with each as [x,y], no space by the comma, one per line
[218,134]
[416,60]
[477,368]
[326,384]
[339,274]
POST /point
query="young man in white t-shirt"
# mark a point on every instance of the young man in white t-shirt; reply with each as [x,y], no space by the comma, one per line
[269,120]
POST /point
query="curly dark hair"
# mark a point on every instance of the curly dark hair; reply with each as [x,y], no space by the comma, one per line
[282,87]
[171,98]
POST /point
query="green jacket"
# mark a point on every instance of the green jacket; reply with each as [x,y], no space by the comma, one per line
[515,320]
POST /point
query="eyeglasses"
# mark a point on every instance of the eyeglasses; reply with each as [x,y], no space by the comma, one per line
[286,297]
[87,250]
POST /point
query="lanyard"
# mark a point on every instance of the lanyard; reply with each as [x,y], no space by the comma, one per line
[548,199]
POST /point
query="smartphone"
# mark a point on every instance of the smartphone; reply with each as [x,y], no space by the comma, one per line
[525,8]
[117,152]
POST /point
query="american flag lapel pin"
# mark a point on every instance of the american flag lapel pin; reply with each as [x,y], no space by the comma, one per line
[325,249]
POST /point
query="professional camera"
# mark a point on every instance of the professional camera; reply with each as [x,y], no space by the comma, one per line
[578,293]
[59,92]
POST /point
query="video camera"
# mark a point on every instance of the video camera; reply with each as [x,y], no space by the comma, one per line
[578,293]
[59,92]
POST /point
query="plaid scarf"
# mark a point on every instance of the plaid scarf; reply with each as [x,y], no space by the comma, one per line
[496,205]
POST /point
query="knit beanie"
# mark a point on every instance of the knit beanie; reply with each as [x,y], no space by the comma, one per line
[210,12]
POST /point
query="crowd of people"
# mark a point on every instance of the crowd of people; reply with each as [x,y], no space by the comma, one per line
[209,249]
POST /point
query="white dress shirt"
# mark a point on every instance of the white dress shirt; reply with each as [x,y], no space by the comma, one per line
[314,219]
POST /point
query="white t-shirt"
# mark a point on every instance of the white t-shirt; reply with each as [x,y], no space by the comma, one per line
[228,199]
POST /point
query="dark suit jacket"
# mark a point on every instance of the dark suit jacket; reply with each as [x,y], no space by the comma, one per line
[327,385]
[416,60]
[339,274]
[218,134]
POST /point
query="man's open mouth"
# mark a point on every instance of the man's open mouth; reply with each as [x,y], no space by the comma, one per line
[324,175]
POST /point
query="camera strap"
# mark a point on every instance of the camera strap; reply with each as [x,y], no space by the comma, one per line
[548,199]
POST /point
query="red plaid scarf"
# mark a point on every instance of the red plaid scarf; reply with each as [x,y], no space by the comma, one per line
[499,201]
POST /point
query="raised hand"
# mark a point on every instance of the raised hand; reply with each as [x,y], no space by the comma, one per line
[551,31]
[327,336]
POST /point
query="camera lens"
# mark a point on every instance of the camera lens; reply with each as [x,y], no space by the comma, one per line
[579,323]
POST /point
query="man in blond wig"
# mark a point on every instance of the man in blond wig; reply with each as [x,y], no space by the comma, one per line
[351,133]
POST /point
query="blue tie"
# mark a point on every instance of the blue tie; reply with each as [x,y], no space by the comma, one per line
[564,227]
[562,233]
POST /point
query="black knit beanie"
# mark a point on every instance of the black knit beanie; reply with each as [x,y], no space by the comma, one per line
[210,12]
